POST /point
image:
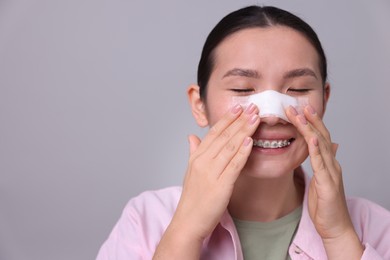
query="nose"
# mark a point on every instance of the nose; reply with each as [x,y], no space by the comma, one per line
[272,120]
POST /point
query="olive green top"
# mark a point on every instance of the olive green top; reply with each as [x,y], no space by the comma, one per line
[268,240]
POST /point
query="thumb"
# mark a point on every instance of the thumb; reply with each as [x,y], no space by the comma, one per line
[334,148]
[194,142]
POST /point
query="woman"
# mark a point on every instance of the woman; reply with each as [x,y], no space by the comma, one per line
[242,198]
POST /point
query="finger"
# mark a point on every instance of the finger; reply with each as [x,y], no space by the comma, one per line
[229,151]
[237,163]
[220,126]
[316,121]
[335,147]
[232,137]
[194,142]
[318,164]
[302,125]
[309,132]
[323,160]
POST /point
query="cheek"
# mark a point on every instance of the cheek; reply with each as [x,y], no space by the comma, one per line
[317,102]
[217,108]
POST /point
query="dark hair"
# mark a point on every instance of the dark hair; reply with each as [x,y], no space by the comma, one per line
[251,17]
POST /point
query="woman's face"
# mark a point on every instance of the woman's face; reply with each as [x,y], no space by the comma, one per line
[274,58]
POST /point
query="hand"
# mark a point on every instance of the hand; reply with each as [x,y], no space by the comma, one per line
[214,166]
[326,199]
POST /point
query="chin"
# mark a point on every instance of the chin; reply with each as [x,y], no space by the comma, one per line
[269,168]
[266,172]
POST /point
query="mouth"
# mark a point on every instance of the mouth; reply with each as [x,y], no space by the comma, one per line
[272,144]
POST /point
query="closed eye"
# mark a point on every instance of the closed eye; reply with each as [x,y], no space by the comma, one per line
[242,90]
[299,90]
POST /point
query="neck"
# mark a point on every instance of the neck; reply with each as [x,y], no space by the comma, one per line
[265,200]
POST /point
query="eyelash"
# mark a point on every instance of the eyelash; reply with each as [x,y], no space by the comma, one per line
[239,90]
[294,90]
[298,90]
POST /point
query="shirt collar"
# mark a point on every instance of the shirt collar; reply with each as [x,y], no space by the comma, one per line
[307,238]
[228,223]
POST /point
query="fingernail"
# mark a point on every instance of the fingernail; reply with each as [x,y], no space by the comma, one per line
[293,110]
[236,109]
[311,109]
[247,141]
[253,119]
[249,110]
[302,119]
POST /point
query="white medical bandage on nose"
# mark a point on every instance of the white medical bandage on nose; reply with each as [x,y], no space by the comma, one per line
[272,103]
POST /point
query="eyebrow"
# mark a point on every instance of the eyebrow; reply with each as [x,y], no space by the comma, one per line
[295,73]
[242,73]
[299,73]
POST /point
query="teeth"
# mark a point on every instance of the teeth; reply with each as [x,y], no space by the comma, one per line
[271,144]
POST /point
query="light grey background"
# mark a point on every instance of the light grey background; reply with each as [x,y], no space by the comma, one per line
[93,108]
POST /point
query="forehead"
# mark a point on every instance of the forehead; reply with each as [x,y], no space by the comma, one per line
[278,47]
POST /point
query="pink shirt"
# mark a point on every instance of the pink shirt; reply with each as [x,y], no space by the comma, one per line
[144,219]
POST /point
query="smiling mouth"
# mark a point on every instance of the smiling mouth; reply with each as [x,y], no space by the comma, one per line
[272,144]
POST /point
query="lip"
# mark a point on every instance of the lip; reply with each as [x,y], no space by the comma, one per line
[277,132]
[273,151]
[271,133]
[272,136]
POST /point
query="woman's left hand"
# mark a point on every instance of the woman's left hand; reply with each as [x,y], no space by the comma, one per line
[326,199]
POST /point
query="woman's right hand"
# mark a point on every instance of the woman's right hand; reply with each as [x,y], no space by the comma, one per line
[214,166]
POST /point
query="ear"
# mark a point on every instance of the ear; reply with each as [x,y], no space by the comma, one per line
[197,106]
[326,94]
